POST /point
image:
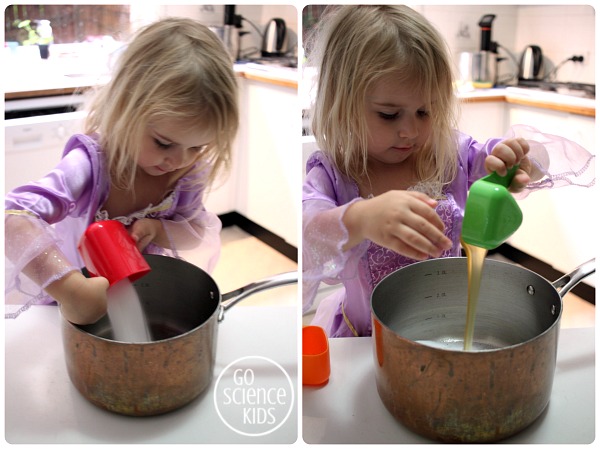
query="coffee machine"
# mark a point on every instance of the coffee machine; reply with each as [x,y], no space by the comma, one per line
[231,37]
[485,61]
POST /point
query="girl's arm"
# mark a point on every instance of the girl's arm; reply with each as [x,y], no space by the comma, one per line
[325,198]
[324,258]
[177,233]
[33,259]
[338,226]
[82,300]
[181,233]
[405,222]
[32,249]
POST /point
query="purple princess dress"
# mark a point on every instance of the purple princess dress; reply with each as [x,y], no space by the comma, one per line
[326,196]
[47,217]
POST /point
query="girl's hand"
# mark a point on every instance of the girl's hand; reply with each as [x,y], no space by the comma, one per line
[403,221]
[506,155]
[82,300]
[144,231]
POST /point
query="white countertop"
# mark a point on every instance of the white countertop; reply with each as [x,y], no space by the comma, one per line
[44,76]
[348,409]
[274,73]
[537,95]
[42,406]
[28,72]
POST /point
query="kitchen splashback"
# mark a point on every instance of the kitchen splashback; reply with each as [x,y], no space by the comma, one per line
[561,31]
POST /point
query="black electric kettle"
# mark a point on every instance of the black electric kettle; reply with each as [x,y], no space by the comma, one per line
[275,38]
[532,64]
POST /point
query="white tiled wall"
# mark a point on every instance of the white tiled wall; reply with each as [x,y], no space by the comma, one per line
[213,15]
[561,32]
[459,24]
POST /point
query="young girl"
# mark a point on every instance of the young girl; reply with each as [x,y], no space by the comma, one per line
[155,138]
[390,183]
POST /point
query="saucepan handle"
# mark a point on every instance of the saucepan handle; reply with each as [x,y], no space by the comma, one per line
[230,299]
[570,280]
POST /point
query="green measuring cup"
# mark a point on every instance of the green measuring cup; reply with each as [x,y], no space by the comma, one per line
[491,213]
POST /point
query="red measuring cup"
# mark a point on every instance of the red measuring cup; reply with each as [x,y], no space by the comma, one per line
[109,251]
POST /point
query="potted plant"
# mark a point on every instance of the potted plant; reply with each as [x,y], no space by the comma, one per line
[41,35]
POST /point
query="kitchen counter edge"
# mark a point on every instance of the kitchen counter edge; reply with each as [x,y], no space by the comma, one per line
[265,77]
[528,97]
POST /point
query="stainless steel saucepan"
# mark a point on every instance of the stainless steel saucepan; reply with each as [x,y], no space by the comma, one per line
[430,384]
[183,307]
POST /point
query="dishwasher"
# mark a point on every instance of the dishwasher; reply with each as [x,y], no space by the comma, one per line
[35,132]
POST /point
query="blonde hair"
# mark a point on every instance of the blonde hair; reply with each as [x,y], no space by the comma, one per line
[175,68]
[355,46]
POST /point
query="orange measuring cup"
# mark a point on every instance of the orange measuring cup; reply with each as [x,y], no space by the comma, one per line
[315,356]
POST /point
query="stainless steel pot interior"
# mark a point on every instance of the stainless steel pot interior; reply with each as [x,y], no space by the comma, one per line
[176,297]
[427,302]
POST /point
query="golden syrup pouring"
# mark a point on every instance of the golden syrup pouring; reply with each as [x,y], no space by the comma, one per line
[475,259]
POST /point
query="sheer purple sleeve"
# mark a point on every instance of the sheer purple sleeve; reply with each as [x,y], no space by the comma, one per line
[325,199]
[191,226]
[202,232]
[559,161]
[31,243]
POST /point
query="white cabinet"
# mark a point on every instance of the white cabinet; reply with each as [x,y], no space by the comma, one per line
[265,179]
[483,120]
[268,164]
[220,199]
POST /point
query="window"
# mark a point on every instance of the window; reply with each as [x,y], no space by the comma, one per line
[70,23]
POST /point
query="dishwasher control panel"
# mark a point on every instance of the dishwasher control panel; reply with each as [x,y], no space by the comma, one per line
[34,145]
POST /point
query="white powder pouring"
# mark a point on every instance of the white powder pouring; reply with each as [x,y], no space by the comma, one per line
[126,313]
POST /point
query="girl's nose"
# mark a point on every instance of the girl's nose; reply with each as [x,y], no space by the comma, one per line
[175,159]
[408,127]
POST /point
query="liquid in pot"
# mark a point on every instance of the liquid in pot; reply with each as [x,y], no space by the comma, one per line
[426,303]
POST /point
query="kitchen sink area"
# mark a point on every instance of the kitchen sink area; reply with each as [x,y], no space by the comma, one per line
[565,93]
[581,90]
